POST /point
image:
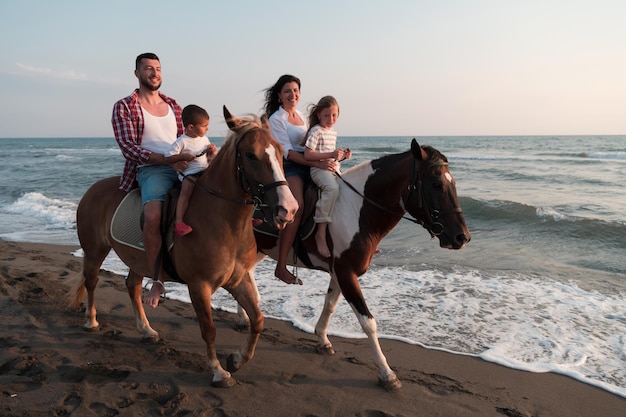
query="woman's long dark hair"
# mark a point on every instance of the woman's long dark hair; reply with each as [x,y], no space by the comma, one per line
[272,102]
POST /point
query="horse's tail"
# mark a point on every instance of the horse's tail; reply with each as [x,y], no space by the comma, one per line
[77,292]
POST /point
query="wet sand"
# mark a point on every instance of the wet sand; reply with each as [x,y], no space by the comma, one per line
[49,366]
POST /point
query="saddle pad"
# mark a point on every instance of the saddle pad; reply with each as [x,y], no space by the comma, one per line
[125,225]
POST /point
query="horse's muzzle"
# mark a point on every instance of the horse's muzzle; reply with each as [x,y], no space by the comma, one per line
[283,218]
[458,242]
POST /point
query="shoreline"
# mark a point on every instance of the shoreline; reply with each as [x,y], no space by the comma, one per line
[50,366]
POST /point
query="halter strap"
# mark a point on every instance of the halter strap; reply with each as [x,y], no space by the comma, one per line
[257,193]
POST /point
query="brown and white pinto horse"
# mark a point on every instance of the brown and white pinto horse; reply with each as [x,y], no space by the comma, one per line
[374,196]
[221,251]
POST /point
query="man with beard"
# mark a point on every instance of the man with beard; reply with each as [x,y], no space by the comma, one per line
[145,125]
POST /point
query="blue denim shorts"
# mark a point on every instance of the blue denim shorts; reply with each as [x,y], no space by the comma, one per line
[155,181]
[293,169]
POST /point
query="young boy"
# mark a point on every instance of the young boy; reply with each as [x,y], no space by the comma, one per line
[194,140]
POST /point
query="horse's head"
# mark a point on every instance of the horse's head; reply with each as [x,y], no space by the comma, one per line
[260,168]
[431,197]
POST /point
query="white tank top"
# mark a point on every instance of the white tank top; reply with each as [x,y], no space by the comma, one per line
[158,132]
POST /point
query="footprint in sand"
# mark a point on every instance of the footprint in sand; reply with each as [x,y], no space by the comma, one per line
[103,410]
[71,402]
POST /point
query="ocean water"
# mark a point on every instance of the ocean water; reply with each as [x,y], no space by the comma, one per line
[541,286]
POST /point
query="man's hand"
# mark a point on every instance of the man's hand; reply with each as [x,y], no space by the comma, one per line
[181,161]
[185,157]
[212,149]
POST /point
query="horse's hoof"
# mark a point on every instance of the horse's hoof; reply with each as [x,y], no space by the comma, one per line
[224,383]
[151,340]
[233,362]
[91,329]
[390,386]
[325,350]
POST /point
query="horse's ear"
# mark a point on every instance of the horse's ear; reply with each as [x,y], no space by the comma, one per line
[233,122]
[265,122]
[417,151]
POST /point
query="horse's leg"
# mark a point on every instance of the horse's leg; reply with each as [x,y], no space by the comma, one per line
[324,346]
[246,295]
[200,294]
[351,290]
[92,260]
[244,321]
[133,286]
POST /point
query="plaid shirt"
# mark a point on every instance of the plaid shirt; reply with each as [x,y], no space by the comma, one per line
[127,123]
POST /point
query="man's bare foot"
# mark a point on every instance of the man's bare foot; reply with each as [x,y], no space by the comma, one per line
[286,276]
[154,295]
[322,247]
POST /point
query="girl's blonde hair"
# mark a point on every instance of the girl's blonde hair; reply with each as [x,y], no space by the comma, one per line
[324,103]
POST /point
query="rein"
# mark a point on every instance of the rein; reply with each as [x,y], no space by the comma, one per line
[436,228]
[216,194]
[369,200]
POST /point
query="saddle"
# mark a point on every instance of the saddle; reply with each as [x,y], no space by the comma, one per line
[306,229]
[127,224]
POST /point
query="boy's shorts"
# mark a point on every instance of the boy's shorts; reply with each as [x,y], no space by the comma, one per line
[155,181]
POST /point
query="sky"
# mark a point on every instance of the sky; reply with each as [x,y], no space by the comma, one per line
[397,68]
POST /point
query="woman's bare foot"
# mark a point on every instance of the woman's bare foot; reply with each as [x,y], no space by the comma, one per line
[154,295]
[287,277]
[320,240]
[322,247]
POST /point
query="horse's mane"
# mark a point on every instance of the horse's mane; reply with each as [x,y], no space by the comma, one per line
[228,150]
[391,160]
[244,125]
[434,155]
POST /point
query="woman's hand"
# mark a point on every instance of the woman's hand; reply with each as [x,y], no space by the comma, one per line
[343,154]
[327,165]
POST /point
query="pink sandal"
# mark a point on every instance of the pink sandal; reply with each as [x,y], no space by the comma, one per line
[182,229]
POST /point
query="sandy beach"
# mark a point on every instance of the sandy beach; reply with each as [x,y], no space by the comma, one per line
[49,366]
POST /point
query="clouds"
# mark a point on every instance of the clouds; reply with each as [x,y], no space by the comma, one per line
[29,70]
[404,68]
[25,70]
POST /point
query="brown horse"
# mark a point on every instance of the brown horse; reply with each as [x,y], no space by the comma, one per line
[374,196]
[246,173]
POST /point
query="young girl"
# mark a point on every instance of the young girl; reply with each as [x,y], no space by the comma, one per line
[320,144]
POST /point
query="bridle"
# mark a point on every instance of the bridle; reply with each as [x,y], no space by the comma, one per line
[253,187]
[435,224]
[249,185]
